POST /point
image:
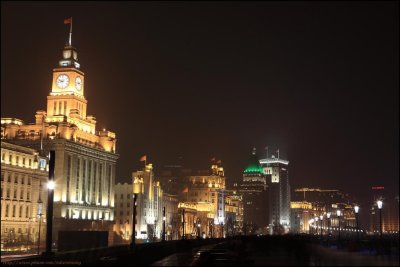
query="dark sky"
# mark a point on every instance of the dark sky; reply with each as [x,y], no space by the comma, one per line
[318,80]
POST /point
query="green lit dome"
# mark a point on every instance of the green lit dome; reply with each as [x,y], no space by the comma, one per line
[254,165]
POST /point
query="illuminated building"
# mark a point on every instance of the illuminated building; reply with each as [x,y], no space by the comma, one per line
[255,196]
[173,217]
[149,204]
[23,201]
[85,157]
[276,171]
[309,203]
[123,211]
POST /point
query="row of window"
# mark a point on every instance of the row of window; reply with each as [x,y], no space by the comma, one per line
[10,159]
[14,210]
[10,178]
[21,195]
[12,230]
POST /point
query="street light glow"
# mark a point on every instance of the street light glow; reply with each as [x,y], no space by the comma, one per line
[380,203]
[338,212]
[356,208]
[51,185]
[328,215]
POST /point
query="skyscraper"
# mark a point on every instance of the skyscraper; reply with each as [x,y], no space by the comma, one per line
[255,198]
[277,175]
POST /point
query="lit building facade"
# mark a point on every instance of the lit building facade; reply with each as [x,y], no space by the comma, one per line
[390,211]
[85,157]
[24,175]
[254,188]
[123,212]
[149,204]
[277,173]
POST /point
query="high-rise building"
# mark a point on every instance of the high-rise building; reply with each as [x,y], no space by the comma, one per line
[253,188]
[85,157]
[277,173]
[149,204]
[390,211]
[24,175]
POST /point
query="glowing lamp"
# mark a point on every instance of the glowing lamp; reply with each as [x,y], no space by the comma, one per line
[328,215]
[338,212]
[380,203]
[356,208]
[51,185]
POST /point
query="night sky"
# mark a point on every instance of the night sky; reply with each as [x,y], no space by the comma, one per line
[198,80]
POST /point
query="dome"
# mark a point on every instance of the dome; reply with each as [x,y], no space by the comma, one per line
[254,165]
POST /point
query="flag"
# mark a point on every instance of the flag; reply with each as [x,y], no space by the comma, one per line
[186,190]
[68,21]
[143,158]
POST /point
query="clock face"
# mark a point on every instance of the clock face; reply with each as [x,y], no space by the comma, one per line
[62,81]
[78,83]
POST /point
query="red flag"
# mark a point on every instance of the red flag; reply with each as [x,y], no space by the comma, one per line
[143,158]
[68,21]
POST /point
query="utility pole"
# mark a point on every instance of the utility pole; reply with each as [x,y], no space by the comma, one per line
[183,224]
[50,200]
[163,230]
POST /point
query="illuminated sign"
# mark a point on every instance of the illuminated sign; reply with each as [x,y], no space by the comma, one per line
[378,187]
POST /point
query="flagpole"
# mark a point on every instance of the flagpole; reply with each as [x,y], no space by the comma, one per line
[70,33]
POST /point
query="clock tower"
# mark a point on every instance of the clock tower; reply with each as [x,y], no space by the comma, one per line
[66,101]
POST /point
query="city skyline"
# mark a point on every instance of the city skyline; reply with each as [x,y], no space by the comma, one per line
[202,89]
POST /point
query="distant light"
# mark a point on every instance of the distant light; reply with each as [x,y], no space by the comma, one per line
[380,203]
[356,208]
[164,218]
[51,185]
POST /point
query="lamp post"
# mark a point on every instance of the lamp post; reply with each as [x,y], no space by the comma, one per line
[183,224]
[133,236]
[380,203]
[40,207]
[321,217]
[356,209]
[198,228]
[328,216]
[310,222]
[50,202]
[338,212]
[316,225]
[163,230]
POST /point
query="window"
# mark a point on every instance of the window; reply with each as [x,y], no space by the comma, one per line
[10,158]
[22,180]
[29,180]
[15,193]
[128,196]
[13,211]
[7,208]
[21,195]
[121,213]
[23,161]
[28,196]
[30,163]
[20,211]
[3,156]
[122,196]
[27,212]
[16,180]
[17,160]
[8,192]
[121,205]
[127,204]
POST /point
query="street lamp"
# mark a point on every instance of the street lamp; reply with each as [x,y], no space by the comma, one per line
[380,204]
[316,224]
[40,207]
[356,209]
[338,212]
[310,222]
[50,202]
[164,219]
[321,218]
[328,215]
[198,227]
